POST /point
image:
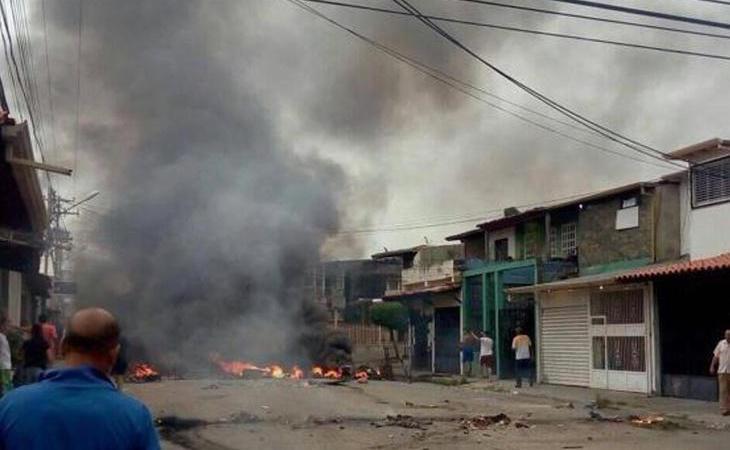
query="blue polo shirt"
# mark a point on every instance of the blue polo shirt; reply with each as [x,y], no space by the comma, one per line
[78,408]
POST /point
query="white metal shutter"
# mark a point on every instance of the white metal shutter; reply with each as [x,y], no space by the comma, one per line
[564,345]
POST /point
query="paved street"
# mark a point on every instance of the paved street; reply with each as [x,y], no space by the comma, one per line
[281,414]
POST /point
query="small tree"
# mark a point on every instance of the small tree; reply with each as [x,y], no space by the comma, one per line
[394,317]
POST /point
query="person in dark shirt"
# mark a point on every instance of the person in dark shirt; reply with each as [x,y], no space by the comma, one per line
[78,407]
[35,355]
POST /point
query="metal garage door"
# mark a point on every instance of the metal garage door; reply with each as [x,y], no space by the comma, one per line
[564,344]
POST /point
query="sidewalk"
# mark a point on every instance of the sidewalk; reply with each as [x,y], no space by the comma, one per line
[622,403]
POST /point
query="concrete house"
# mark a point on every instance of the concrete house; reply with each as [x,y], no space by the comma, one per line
[23,221]
[430,288]
[592,330]
[515,250]
[691,294]
[346,288]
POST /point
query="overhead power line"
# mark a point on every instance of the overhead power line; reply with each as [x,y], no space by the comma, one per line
[721,2]
[16,68]
[48,77]
[647,13]
[529,31]
[470,89]
[597,19]
[586,122]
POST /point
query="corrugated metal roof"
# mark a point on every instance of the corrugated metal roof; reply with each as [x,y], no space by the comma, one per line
[719,262]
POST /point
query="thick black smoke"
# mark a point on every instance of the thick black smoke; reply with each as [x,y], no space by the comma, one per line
[215,218]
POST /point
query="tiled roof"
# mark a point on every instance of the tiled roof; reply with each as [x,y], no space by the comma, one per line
[719,262]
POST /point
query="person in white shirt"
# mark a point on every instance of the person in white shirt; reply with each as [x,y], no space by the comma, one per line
[521,345]
[720,365]
[6,364]
[486,354]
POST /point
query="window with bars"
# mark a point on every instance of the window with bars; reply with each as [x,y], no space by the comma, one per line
[564,240]
[568,238]
[711,182]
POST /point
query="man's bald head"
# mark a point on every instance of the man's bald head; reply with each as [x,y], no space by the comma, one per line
[92,331]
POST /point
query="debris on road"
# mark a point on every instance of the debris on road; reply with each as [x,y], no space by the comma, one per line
[653,422]
[601,418]
[403,421]
[484,422]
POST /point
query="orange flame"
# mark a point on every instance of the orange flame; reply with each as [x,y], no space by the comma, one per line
[333,373]
[296,373]
[144,371]
[275,371]
[239,368]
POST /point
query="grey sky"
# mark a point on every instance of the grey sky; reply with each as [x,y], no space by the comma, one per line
[411,151]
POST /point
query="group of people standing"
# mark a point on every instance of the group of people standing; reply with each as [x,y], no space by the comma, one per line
[35,354]
[481,341]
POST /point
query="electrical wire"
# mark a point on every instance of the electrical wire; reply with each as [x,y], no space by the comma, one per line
[463,86]
[597,19]
[588,123]
[78,96]
[530,31]
[720,2]
[49,78]
[647,13]
[17,70]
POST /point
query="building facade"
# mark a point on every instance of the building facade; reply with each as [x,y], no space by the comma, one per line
[430,289]
[690,295]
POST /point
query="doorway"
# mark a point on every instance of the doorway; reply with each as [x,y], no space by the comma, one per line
[446,340]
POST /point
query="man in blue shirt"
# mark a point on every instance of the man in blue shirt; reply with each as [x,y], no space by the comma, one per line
[78,407]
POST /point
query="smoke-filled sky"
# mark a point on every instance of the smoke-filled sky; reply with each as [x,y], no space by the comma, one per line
[400,147]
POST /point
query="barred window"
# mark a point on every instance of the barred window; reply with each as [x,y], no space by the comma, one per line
[564,240]
[711,182]
[568,238]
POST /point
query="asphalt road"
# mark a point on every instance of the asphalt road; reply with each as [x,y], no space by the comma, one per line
[289,414]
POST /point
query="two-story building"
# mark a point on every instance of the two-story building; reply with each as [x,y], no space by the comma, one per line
[691,294]
[518,249]
[430,288]
[558,266]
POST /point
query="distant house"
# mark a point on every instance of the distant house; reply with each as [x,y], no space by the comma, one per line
[23,221]
[346,287]
[691,294]
[430,287]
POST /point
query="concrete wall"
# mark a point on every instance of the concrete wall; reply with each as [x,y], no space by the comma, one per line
[703,230]
[668,218]
[474,247]
[506,233]
[599,242]
[433,263]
